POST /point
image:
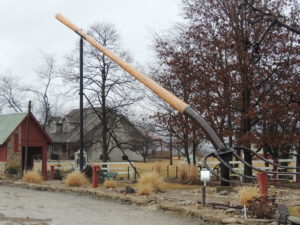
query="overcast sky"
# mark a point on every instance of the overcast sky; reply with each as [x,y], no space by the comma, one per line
[28,26]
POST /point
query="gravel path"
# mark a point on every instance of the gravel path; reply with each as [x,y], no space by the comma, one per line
[23,207]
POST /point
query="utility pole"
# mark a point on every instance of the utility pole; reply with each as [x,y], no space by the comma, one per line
[81,104]
[27,138]
[171,147]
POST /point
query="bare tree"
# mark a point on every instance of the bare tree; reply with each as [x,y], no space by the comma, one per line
[46,73]
[10,93]
[105,85]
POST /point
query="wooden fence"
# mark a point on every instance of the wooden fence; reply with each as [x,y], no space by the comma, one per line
[239,166]
[123,169]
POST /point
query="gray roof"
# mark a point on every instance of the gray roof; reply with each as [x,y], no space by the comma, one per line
[8,123]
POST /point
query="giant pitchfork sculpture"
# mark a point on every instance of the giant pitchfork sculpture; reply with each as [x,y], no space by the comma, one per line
[221,152]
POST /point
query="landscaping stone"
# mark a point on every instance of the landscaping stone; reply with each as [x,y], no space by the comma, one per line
[294,219]
[129,190]
[257,221]
[231,210]
[229,220]
[224,193]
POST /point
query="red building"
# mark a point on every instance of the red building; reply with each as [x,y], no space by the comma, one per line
[13,141]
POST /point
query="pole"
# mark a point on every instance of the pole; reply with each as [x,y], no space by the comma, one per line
[161,149]
[81,104]
[203,195]
[225,170]
[27,138]
[171,149]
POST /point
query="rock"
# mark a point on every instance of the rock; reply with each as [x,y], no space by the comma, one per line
[224,193]
[294,219]
[229,220]
[257,221]
[129,190]
[230,210]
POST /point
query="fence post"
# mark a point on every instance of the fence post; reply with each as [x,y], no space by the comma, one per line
[128,175]
[297,164]
[52,172]
[262,179]
[275,169]
[95,178]
[176,172]
[135,174]
[167,171]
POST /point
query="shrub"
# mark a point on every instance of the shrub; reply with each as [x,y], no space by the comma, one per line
[192,173]
[32,177]
[88,171]
[263,208]
[12,167]
[146,190]
[152,179]
[248,193]
[76,179]
[57,174]
[110,184]
[183,171]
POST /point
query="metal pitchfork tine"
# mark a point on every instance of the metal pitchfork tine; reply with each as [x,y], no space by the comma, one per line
[221,151]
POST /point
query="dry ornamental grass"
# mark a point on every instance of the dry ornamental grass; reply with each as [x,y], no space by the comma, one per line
[150,182]
[32,177]
[192,173]
[188,172]
[76,179]
[158,168]
[145,190]
[110,184]
[183,171]
[247,194]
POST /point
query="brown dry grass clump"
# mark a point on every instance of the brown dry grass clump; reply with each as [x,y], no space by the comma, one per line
[32,177]
[248,193]
[183,171]
[76,179]
[188,172]
[192,173]
[110,184]
[146,190]
[158,168]
[149,183]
